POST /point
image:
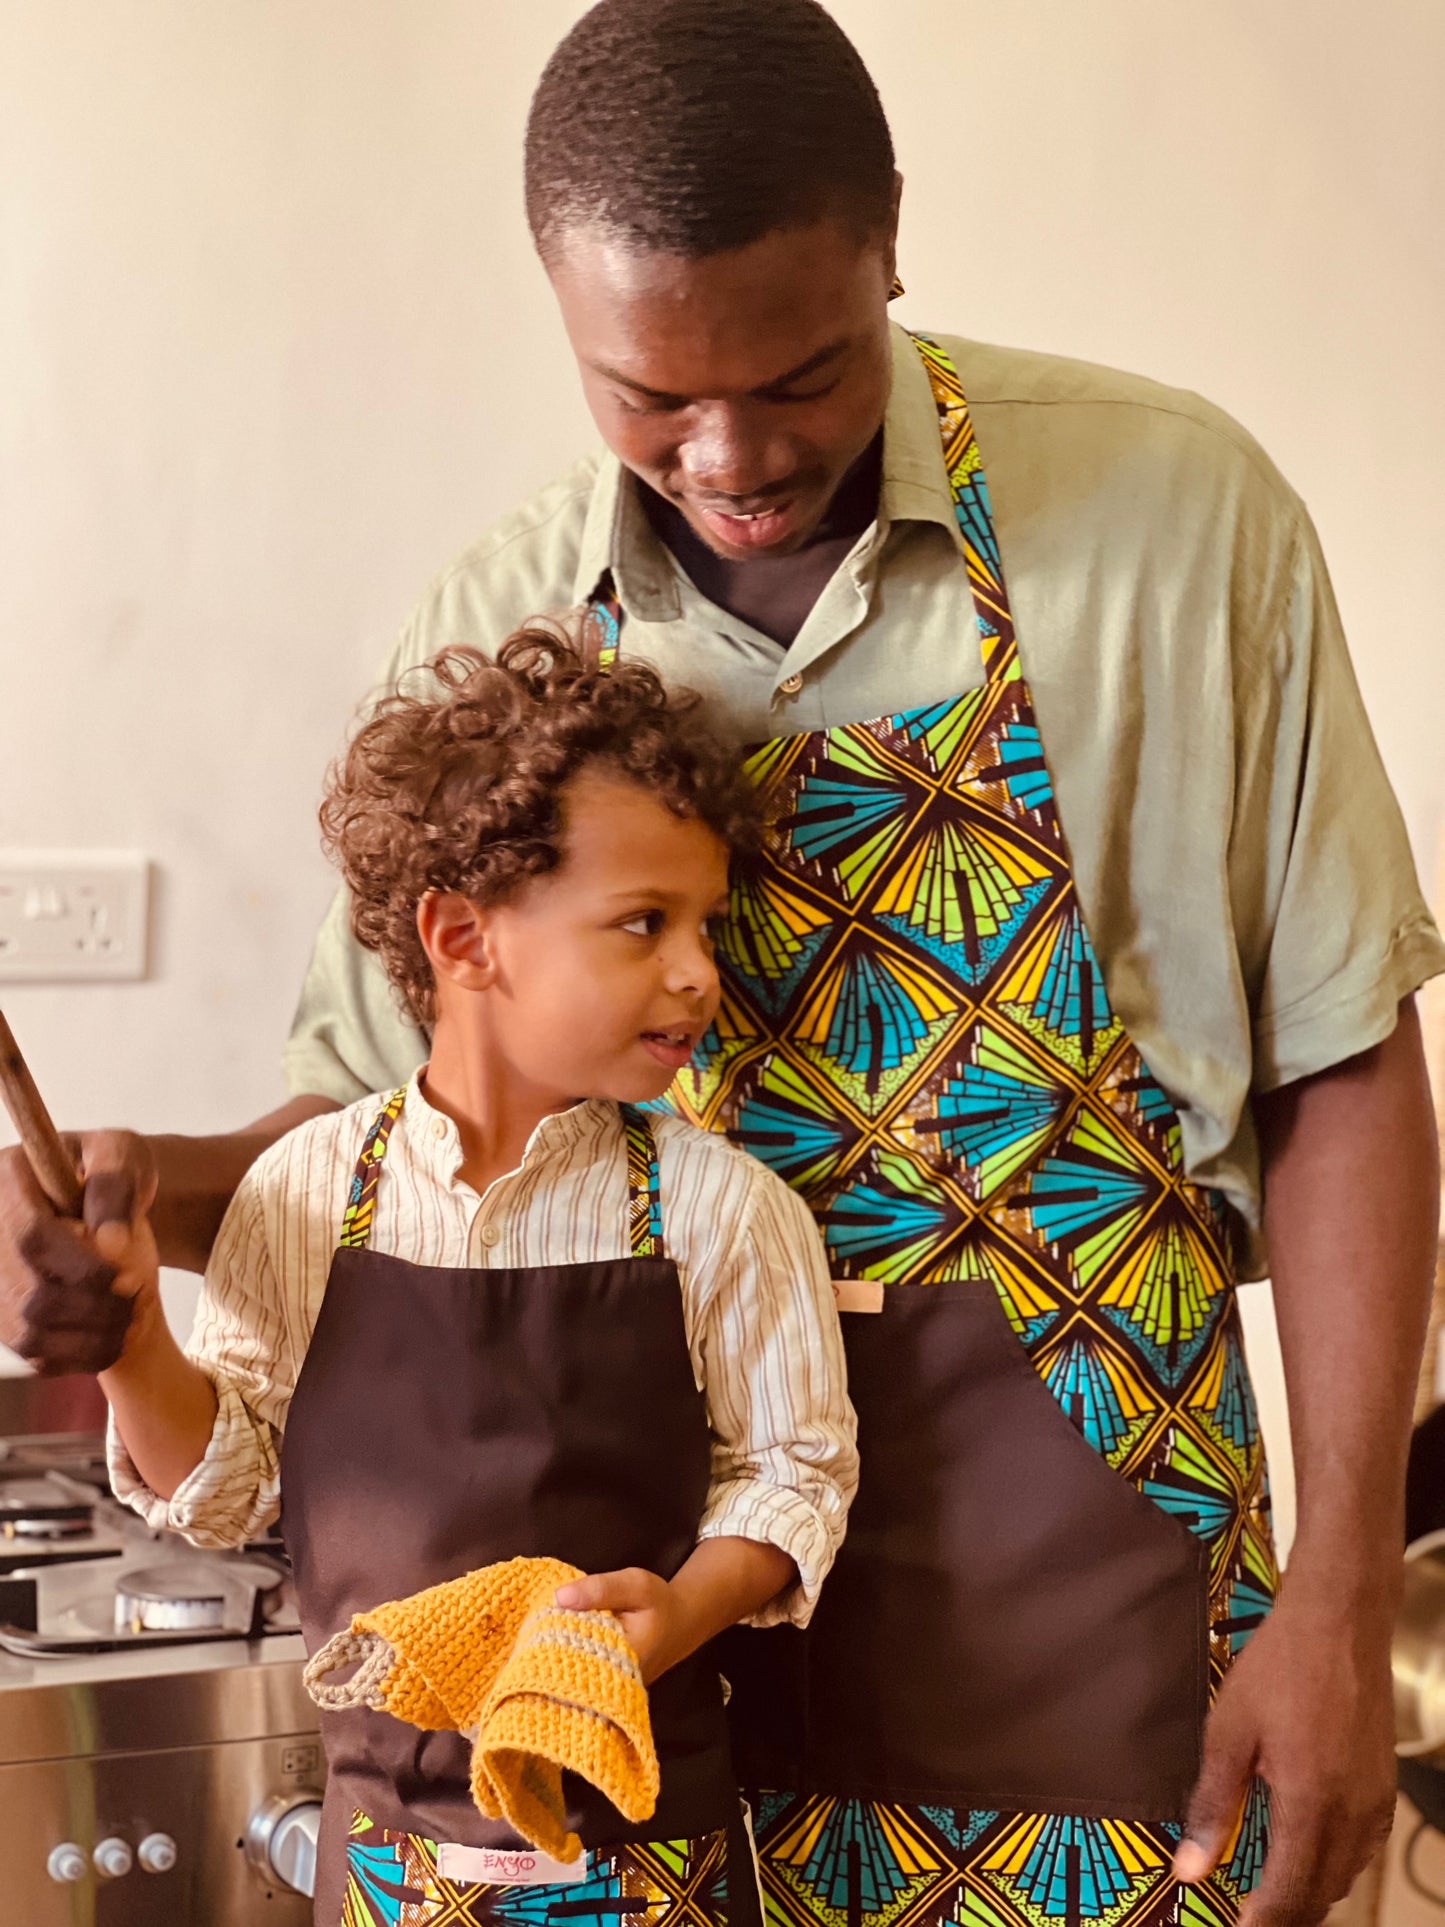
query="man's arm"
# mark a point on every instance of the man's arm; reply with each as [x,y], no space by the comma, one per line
[197,1178]
[57,1308]
[1352,1209]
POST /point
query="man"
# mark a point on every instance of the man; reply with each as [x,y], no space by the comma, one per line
[1086,958]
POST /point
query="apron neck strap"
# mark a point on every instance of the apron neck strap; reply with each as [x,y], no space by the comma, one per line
[602,627]
[644,1185]
[974,513]
[644,1182]
[361,1199]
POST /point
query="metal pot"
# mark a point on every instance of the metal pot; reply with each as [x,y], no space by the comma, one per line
[1417,1653]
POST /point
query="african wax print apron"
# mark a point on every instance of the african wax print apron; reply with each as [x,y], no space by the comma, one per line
[446,1419]
[1061,1536]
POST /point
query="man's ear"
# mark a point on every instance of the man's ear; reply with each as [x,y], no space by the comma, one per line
[895,286]
[456,935]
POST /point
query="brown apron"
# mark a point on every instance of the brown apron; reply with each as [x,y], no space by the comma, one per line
[447,1419]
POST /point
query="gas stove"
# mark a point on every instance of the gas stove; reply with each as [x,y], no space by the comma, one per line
[55,1503]
[159,1757]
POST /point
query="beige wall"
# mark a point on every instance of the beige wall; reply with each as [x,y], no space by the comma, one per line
[273,346]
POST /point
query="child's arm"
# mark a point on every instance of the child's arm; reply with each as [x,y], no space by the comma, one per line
[784,1450]
[164,1406]
[194,1442]
[721,1582]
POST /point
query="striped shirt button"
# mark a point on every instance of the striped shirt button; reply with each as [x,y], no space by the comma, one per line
[490,1235]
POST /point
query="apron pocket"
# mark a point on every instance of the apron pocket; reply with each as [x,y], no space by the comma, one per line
[1010,1624]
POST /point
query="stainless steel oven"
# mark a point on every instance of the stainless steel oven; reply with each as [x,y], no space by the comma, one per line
[180,1788]
[160,1764]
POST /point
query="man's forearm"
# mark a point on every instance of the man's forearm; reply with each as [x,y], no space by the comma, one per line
[1352,1203]
[198,1177]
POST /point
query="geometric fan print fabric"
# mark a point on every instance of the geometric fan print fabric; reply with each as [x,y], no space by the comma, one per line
[835,1863]
[393,1880]
[916,1035]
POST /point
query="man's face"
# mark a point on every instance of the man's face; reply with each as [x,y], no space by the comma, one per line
[741,386]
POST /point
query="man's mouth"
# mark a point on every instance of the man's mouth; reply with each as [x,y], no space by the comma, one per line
[760,528]
[671,1047]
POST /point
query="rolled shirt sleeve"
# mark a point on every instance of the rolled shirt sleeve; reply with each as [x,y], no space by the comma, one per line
[241,1342]
[785,1455]
[1334,931]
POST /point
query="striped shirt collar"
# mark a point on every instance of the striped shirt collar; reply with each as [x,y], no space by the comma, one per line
[433,1140]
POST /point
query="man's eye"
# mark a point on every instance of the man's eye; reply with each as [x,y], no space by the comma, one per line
[811,394]
[647,405]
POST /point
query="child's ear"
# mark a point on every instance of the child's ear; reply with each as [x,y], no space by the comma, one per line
[456,935]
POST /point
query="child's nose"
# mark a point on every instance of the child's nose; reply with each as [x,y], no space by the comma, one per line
[691,969]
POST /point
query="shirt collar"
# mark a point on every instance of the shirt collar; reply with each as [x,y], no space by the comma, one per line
[618,538]
[434,1140]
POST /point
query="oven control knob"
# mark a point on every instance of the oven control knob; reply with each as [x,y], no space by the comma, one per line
[281,1842]
[67,1863]
[113,1858]
[157,1853]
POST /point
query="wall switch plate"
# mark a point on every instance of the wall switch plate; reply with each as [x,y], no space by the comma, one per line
[72,916]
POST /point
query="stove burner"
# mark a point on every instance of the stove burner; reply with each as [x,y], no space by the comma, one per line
[43,1508]
[167,1599]
[79,1526]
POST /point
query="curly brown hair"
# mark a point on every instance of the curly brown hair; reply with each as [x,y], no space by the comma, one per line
[458,786]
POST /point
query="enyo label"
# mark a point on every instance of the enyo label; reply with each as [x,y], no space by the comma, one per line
[507,1866]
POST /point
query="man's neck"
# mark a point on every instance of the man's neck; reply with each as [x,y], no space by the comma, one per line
[775,594]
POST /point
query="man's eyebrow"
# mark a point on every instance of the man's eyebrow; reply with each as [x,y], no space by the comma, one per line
[811,366]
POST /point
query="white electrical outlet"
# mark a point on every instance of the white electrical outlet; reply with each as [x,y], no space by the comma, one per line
[68,916]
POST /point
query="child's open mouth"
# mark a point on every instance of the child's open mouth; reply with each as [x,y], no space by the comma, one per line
[671,1047]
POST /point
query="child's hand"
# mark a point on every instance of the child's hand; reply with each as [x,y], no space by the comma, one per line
[651,1613]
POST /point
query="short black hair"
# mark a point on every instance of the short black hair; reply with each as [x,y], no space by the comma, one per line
[696,126]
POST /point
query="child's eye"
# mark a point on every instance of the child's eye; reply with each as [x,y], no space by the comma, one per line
[647,923]
[712,928]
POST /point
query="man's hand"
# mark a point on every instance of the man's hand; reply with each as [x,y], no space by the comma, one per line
[1307,1708]
[1352,1208]
[58,1308]
[651,1614]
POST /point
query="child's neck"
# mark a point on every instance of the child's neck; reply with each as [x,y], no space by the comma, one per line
[495,1111]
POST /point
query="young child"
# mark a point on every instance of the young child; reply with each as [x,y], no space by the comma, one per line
[501,1312]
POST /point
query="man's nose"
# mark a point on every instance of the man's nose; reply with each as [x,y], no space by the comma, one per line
[733,451]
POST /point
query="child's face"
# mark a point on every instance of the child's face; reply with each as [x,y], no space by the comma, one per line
[599,978]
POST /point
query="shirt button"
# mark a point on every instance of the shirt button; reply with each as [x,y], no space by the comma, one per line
[438,1127]
[490,1235]
[790,685]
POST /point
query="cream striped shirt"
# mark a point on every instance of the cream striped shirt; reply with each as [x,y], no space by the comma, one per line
[761,1323]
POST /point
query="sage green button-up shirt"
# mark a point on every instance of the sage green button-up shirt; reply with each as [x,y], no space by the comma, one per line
[1239,855]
